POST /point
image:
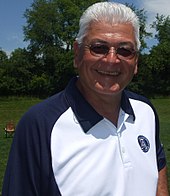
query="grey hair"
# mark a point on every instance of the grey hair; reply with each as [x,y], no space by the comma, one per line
[111,13]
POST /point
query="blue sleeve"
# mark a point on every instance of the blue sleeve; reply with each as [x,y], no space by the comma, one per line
[29,171]
[161,158]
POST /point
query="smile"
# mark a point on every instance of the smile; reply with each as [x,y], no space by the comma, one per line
[115,73]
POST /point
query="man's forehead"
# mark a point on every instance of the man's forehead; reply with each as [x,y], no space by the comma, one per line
[109,34]
[104,31]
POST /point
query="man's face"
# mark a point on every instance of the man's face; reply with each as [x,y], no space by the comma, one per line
[106,74]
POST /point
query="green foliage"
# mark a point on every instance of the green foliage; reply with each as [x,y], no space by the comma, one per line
[53,23]
[162,27]
[154,68]
[141,13]
[3,57]
[159,58]
[16,74]
[51,29]
[142,82]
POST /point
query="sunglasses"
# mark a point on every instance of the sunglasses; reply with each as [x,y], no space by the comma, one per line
[102,50]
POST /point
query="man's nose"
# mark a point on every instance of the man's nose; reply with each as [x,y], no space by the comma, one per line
[112,55]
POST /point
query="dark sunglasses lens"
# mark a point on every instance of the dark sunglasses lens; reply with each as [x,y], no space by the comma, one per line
[125,52]
[99,49]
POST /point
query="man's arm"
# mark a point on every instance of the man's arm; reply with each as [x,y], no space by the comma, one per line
[162,189]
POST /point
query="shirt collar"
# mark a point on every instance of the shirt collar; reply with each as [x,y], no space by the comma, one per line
[84,112]
[125,104]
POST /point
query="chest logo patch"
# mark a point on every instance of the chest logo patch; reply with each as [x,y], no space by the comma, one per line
[143,143]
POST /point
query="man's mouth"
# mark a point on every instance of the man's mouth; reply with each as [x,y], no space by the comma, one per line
[110,73]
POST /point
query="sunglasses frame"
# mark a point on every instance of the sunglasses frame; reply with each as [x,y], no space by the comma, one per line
[132,55]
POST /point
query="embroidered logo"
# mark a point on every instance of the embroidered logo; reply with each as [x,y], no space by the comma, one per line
[144,143]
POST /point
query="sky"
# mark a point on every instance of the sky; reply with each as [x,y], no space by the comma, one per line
[12,19]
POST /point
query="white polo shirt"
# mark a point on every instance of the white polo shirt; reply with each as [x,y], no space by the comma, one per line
[106,160]
[74,151]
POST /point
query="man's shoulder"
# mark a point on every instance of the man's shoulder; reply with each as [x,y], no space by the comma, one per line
[53,103]
[141,100]
[47,111]
[138,97]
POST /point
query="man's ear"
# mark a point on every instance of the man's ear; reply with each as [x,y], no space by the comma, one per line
[136,69]
[136,65]
[76,50]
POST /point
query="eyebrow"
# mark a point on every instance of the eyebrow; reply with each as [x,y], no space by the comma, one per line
[118,44]
[126,44]
[100,41]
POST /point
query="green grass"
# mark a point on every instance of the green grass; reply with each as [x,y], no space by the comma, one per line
[13,108]
[163,108]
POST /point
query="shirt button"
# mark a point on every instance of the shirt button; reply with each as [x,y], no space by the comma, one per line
[123,150]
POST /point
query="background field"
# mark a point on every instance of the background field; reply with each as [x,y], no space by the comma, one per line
[13,108]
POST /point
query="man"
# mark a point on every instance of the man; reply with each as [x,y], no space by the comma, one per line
[94,138]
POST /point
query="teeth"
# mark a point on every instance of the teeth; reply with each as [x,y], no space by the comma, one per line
[109,73]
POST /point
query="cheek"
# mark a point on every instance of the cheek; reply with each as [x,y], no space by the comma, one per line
[78,56]
[83,61]
[131,67]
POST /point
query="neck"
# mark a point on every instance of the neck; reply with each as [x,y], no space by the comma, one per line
[106,105]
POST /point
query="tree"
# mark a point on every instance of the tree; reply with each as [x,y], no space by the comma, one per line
[159,58]
[162,27]
[3,63]
[3,57]
[17,73]
[140,81]
[141,13]
[51,28]
[53,23]
[154,68]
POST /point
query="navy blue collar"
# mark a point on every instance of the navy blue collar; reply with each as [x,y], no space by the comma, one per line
[84,112]
[125,104]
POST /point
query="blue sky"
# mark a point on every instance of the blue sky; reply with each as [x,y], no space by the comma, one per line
[12,20]
[11,23]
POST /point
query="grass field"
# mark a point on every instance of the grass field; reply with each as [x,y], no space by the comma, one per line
[13,108]
[10,109]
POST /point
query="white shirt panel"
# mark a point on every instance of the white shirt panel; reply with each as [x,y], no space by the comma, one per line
[83,163]
[105,161]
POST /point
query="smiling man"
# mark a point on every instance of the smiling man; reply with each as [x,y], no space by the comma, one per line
[106,61]
[94,138]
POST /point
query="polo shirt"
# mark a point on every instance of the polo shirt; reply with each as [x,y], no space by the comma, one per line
[62,146]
